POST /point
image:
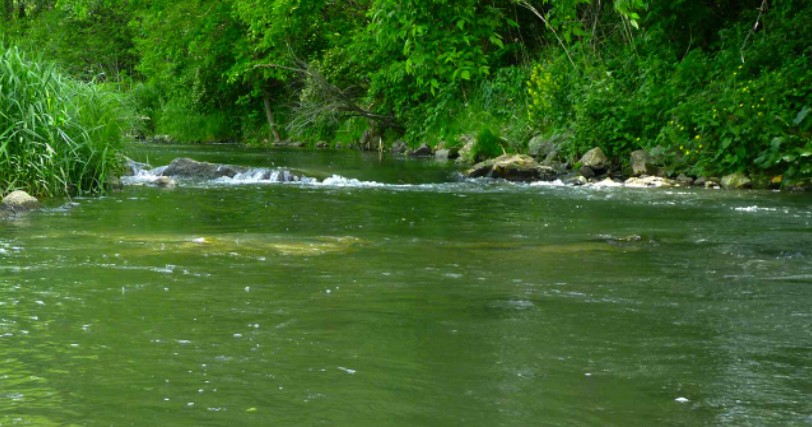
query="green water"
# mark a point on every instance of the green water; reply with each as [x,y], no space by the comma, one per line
[405,303]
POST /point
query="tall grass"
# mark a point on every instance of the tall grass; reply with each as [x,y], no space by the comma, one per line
[57,136]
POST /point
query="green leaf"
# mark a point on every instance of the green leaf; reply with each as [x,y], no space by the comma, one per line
[801,116]
[465,75]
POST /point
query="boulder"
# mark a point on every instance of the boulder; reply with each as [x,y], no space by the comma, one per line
[642,163]
[736,180]
[575,180]
[370,140]
[649,181]
[712,182]
[512,167]
[399,147]
[541,148]
[586,172]
[465,152]
[321,145]
[594,159]
[685,180]
[188,168]
[19,200]
[446,154]
[422,151]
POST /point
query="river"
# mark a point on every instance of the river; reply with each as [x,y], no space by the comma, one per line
[396,294]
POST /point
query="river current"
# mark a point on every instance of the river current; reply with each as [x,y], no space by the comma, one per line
[395,293]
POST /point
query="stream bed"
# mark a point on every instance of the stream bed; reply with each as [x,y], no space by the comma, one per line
[396,293]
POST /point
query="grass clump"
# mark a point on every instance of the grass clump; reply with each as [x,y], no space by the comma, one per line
[57,136]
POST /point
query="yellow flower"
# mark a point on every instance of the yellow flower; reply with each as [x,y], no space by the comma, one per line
[697,137]
[700,146]
[688,152]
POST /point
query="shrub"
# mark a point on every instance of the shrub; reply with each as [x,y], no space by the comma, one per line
[486,146]
[57,136]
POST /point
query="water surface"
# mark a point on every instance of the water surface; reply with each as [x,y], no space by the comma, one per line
[400,295]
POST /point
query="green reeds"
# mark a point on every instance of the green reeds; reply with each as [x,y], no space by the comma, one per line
[58,136]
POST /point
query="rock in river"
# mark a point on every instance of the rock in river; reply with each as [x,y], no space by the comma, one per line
[20,201]
[736,180]
[188,168]
[512,167]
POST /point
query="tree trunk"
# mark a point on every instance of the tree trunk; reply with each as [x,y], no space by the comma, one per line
[266,99]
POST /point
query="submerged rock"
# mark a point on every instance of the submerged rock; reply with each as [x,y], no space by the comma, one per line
[164,182]
[512,167]
[188,168]
[19,200]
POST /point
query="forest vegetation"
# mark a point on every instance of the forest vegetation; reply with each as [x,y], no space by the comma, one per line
[710,86]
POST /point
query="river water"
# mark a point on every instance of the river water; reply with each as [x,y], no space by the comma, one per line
[396,294]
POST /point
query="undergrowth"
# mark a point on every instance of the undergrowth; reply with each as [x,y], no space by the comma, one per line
[57,136]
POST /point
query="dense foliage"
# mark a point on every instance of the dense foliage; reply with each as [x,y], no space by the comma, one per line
[710,86]
[57,136]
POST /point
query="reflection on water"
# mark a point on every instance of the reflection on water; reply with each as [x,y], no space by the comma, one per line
[431,304]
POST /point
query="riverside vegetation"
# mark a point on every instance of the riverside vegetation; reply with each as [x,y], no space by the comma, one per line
[707,87]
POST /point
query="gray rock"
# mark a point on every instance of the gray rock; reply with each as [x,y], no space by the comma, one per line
[576,180]
[736,180]
[586,172]
[595,159]
[512,167]
[700,181]
[642,163]
[188,168]
[339,146]
[19,200]
[399,147]
[446,154]
[321,145]
[713,182]
[466,150]
[422,151]
[541,148]
[649,181]
[684,180]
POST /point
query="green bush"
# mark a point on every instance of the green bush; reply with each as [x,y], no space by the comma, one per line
[185,125]
[486,146]
[57,136]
